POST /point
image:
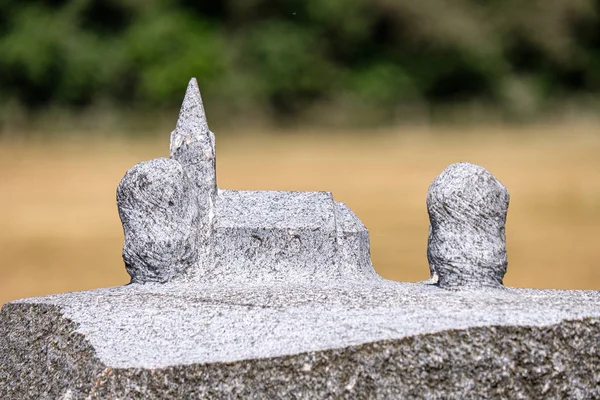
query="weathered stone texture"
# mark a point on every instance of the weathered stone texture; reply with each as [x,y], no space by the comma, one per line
[193,146]
[467,246]
[274,236]
[158,210]
[229,235]
[104,344]
[354,249]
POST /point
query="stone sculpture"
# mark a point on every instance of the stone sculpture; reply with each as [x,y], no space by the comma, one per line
[467,245]
[179,226]
[250,294]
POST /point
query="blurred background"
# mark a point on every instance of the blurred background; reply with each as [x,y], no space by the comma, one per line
[369,99]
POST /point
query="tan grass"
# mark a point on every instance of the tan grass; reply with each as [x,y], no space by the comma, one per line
[60,230]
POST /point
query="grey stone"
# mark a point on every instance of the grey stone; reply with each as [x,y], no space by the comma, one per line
[368,340]
[274,236]
[228,235]
[193,145]
[354,254]
[157,209]
[257,294]
[467,245]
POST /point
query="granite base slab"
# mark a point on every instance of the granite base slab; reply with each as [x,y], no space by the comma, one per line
[380,340]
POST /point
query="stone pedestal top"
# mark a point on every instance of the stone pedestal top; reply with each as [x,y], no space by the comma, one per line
[163,325]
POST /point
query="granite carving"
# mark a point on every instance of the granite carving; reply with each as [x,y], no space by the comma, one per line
[262,294]
[179,226]
[467,245]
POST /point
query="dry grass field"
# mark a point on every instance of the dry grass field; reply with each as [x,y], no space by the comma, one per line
[60,230]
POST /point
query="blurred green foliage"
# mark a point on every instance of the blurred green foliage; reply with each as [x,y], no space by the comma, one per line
[287,56]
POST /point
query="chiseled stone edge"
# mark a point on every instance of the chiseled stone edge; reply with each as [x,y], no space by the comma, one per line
[48,358]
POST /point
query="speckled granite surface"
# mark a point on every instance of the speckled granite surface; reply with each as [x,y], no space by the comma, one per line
[253,294]
[180,227]
[347,340]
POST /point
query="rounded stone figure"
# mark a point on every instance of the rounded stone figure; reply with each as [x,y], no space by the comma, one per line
[467,208]
[159,214]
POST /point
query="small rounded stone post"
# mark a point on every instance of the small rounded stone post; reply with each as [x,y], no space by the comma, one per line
[467,209]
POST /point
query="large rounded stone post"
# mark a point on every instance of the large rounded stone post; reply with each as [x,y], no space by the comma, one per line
[467,208]
[157,208]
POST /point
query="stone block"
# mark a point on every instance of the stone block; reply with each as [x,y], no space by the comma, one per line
[270,236]
[467,207]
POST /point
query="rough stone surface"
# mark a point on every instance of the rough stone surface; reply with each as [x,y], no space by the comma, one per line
[158,211]
[230,235]
[257,294]
[274,236]
[354,254]
[379,340]
[193,146]
[467,245]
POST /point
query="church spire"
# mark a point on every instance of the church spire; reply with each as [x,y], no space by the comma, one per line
[192,141]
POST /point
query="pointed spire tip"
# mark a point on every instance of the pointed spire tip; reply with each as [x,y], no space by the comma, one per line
[192,116]
[191,125]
